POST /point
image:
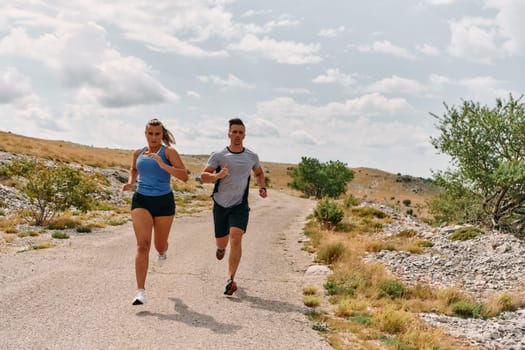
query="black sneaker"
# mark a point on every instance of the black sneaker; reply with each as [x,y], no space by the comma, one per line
[219,253]
[231,287]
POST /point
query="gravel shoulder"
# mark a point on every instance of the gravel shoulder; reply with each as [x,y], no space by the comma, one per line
[78,295]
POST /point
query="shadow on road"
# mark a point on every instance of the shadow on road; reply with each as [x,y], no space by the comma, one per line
[265,304]
[192,318]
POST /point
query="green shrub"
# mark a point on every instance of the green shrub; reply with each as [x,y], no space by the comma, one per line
[327,212]
[63,223]
[427,244]
[351,201]
[60,235]
[320,327]
[52,188]
[407,202]
[466,309]
[27,234]
[369,212]
[392,288]
[361,319]
[465,233]
[395,342]
[117,222]
[83,229]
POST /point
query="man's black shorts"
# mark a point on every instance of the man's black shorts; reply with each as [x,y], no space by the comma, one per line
[157,205]
[224,218]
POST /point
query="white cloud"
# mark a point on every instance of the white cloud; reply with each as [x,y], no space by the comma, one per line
[331,32]
[485,88]
[428,50]
[193,94]
[386,47]
[13,86]
[261,127]
[475,39]
[373,104]
[288,52]
[397,85]
[292,91]
[436,79]
[87,64]
[303,137]
[440,2]
[510,22]
[44,48]
[368,105]
[253,13]
[335,76]
[230,82]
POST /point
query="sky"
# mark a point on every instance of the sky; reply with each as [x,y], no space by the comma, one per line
[336,80]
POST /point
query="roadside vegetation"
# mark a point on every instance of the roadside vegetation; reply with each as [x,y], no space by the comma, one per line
[368,307]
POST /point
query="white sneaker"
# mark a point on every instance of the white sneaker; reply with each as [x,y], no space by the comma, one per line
[161,259]
[140,297]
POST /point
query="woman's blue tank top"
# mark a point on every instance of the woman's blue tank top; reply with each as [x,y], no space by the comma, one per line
[152,180]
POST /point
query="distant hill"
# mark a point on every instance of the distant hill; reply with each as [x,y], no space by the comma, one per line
[370,184]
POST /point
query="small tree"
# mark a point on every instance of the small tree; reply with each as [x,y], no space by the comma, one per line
[51,189]
[317,179]
[487,147]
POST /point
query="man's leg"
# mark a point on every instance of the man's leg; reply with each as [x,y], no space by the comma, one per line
[222,243]
[235,250]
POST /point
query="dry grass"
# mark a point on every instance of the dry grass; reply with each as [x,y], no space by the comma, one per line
[369,303]
[310,290]
[312,301]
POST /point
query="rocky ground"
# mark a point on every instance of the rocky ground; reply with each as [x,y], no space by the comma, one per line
[489,264]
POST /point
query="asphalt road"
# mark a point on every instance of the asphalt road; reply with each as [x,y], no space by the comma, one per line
[78,296]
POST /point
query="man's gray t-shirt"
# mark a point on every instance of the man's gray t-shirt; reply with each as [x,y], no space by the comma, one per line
[240,165]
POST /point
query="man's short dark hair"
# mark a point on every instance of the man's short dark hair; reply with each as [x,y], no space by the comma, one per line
[235,121]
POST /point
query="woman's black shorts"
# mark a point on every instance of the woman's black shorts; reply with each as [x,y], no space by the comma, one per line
[157,205]
[224,218]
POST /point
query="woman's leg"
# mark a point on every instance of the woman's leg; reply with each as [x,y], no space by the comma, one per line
[142,225]
[162,226]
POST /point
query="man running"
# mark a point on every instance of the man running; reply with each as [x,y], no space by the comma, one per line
[231,169]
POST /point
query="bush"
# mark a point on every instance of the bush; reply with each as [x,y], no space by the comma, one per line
[468,310]
[392,288]
[327,212]
[351,201]
[407,202]
[63,223]
[393,321]
[60,235]
[320,327]
[311,301]
[52,188]
[330,253]
[83,229]
[369,212]
[465,233]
